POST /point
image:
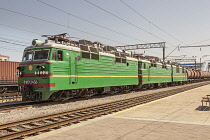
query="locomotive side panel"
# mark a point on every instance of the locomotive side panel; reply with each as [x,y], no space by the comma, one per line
[179,74]
[71,70]
[154,73]
[92,73]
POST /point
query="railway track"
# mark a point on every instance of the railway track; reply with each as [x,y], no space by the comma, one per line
[10,96]
[46,123]
[19,105]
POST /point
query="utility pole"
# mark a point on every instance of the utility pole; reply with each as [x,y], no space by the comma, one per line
[164,53]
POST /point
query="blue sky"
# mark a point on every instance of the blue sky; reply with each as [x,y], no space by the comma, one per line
[186,20]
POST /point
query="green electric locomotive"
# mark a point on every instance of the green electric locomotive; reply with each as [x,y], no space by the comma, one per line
[154,74]
[65,69]
[60,68]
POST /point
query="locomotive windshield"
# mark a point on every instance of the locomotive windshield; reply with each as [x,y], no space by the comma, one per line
[36,55]
[41,54]
[28,56]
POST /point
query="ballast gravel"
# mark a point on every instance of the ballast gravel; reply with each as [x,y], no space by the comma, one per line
[27,113]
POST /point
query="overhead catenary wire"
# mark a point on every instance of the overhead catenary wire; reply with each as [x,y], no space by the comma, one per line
[41,34]
[14,36]
[87,20]
[68,13]
[126,21]
[20,29]
[44,20]
[156,27]
[14,40]
[52,23]
[11,49]
[199,41]
[8,42]
[150,21]
[123,19]
[56,24]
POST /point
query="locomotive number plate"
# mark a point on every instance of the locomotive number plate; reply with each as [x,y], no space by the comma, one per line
[31,82]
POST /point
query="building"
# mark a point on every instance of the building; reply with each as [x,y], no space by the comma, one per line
[4,58]
[197,66]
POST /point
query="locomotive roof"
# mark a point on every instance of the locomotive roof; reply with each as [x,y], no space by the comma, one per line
[72,48]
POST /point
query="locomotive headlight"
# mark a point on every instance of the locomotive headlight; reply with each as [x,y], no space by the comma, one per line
[40,72]
[18,73]
[20,68]
[40,67]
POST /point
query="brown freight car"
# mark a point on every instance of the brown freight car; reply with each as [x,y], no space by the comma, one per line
[8,71]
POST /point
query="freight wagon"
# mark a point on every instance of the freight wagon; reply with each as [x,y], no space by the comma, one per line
[8,77]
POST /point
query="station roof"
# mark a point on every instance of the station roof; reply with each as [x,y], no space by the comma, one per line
[3,56]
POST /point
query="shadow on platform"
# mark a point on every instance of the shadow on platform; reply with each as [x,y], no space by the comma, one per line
[203,108]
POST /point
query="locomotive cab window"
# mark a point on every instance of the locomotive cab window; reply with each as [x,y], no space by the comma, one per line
[144,66]
[28,56]
[94,56]
[153,65]
[41,54]
[140,65]
[60,55]
[86,55]
[54,55]
[183,70]
[177,70]
[118,60]
[123,60]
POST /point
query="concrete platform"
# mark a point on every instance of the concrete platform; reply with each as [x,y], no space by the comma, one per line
[175,117]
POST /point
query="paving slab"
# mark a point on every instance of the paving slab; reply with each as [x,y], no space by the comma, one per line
[171,118]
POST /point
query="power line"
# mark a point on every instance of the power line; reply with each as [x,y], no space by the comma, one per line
[15,40]
[155,26]
[51,23]
[88,21]
[59,24]
[149,21]
[85,19]
[126,21]
[123,20]
[200,41]
[14,36]
[12,43]
[20,29]
[8,48]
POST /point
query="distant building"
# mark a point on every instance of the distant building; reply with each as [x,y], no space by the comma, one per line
[4,58]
